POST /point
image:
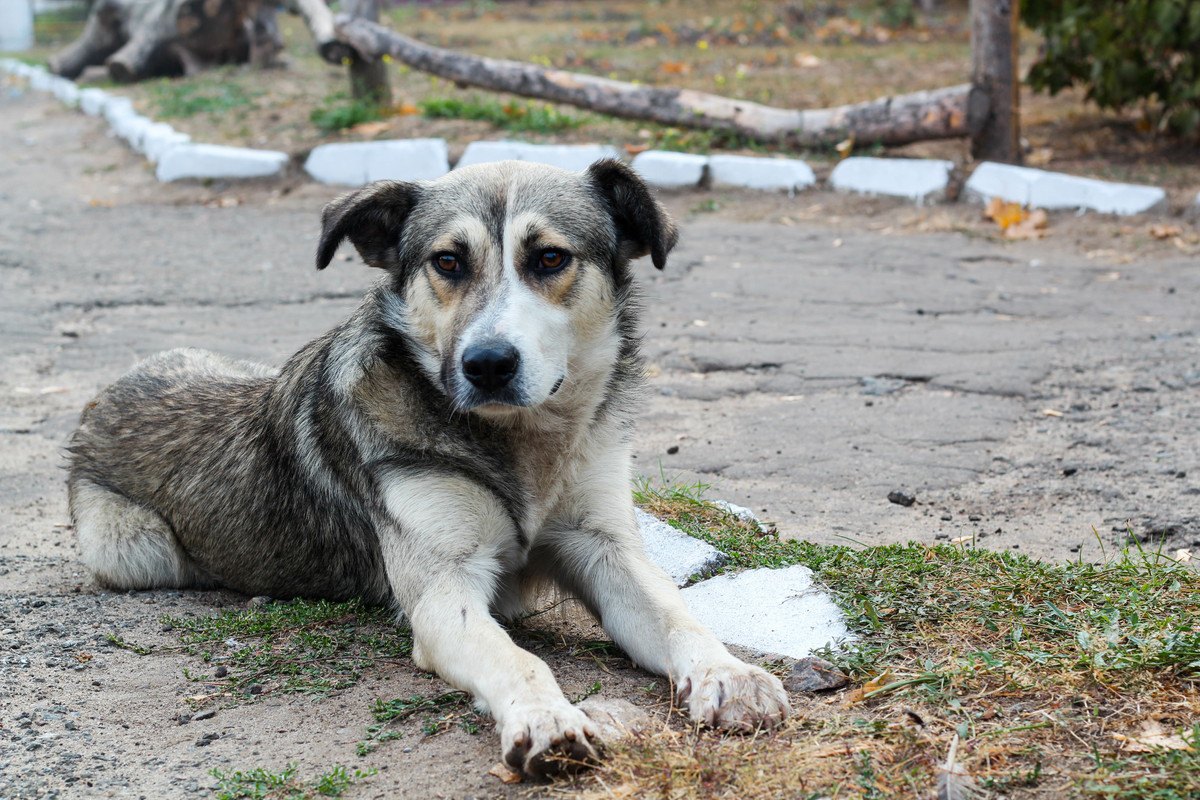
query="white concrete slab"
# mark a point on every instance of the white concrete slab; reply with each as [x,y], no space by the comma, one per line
[159,138]
[359,163]
[752,172]
[679,555]
[779,611]
[66,91]
[1039,188]
[668,170]
[132,128]
[218,161]
[117,108]
[574,157]
[917,179]
[92,101]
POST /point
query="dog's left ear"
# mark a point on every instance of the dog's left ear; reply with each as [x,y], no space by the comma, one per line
[372,218]
[642,224]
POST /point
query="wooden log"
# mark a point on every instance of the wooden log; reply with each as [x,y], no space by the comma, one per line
[368,77]
[995,104]
[937,114]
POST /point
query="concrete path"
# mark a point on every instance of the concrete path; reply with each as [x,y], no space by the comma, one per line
[1025,394]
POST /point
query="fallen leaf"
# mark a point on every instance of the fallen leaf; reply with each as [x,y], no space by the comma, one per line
[1162,230]
[634,149]
[1032,226]
[370,128]
[1040,157]
[407,109]
[845,147]
[806,60]
[1151,737]
[675,67]
[505,774]
[1182,556]
[962,539]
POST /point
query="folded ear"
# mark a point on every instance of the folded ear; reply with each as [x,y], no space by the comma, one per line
[372,218]
[642,224]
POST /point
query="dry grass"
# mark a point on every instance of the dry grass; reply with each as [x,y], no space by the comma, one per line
[1072,680]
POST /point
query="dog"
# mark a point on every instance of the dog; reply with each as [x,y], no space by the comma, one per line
[461,440]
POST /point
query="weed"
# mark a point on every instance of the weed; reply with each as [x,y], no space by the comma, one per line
[452,706]
[260,784]
[339,111]
[315,647]
[511,115]
[186,98]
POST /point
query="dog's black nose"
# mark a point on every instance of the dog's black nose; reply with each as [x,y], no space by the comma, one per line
[491,366]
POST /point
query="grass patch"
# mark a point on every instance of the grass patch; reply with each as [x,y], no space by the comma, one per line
[510,115]
[261,784]
[340,111]
[1057,679]
[312,647]
[179,99]
[442,712]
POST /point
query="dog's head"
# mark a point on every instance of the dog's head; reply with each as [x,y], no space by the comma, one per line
[506,276]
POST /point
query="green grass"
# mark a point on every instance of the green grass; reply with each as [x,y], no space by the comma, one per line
[261,784]
[339,111]
[510,115]
[441,713]
[1032,664]
[210,94]
[312,647]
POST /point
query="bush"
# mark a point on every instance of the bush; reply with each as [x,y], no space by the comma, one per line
[1123,53]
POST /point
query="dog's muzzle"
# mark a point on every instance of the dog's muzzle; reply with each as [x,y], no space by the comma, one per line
[491,366]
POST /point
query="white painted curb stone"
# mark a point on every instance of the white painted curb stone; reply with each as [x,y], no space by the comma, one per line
[917,179]
[117,108]
[92,101]
[679,555]
[132,129]
[218,161]
[668,170]
[574,157]
[159,138]
[777,611]
[750,172]
[1039,188]
[359,163]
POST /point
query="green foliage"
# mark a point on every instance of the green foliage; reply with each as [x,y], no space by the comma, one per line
[1123,53]
[511,115]
[313,647]
[451,705]
[340,111]
[211,94]
[260,784]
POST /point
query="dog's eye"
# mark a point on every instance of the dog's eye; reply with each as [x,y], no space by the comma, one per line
[551,260]
[447,263]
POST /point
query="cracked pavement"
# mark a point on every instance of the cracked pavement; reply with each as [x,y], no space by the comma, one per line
[1031,398]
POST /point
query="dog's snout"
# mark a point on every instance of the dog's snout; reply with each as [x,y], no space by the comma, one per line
[492,365]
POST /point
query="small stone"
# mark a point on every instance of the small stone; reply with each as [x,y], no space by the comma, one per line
[258,601]
[974,517]
[221,672]
[813,674]
[901,497]
[615,718]
[673,449]
[256,689]
[947,518]
[207,713]
[1069,471]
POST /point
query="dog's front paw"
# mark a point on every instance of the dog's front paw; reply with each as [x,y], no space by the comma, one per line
[542,741]
[734,696]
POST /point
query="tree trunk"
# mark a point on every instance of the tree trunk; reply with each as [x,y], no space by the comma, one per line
[139,39]
[368,77]
[891,120]
[995,105]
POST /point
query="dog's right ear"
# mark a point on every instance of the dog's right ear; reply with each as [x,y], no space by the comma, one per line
[371,218]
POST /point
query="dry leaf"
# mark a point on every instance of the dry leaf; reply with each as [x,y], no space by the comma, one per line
[675,67]
[407,110]
[1182,556]
[370,128]
[505,774]
[1152,737]
[806,60]
[1032,226]
[1004,214]
[1040,157]
[1051,412]
[961,539]
[1162,230]
[845,147]
[954,782]
[634,149]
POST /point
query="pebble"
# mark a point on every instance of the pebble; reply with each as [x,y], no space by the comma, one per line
[813,674]
[1069,471]
[258,601]
[901,498]
[207,713]
[221,672]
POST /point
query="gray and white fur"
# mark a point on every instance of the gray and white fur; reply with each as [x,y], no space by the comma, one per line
[462,438]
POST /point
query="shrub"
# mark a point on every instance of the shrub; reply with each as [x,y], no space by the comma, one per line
[1123,53]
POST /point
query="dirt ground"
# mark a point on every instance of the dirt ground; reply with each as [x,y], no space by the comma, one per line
[808,356]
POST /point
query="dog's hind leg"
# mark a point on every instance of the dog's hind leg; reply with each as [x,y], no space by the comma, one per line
[128,546]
